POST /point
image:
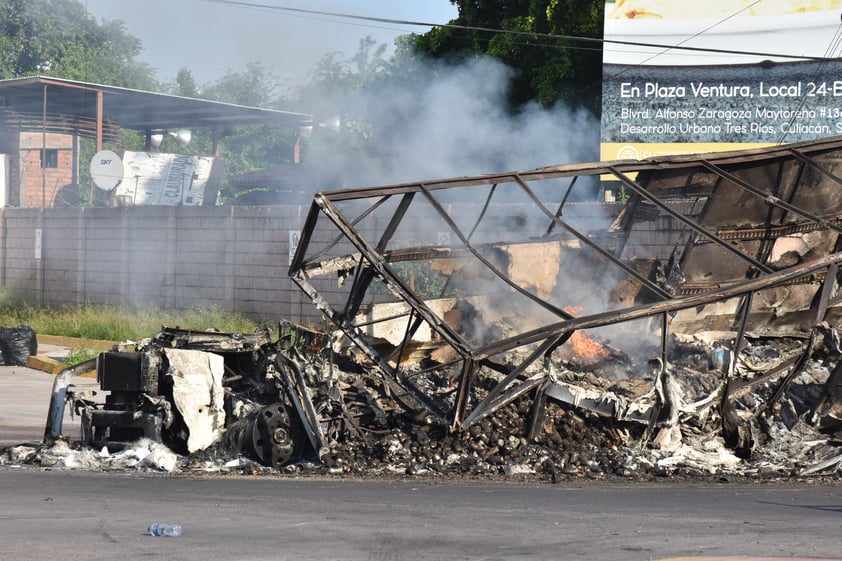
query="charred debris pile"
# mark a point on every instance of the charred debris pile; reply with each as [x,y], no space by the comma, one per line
[487,326]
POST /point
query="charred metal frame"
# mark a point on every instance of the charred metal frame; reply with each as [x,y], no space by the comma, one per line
[806,170]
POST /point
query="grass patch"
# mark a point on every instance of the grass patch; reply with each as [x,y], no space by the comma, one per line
[78,356]
[118,323]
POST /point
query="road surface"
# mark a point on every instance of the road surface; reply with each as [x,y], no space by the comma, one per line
[87,516]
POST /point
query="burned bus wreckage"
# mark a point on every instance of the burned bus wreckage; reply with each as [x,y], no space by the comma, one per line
[492,325]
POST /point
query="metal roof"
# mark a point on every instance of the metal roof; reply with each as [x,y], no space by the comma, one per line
[73,101]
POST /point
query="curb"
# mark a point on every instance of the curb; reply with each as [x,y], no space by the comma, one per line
[75,342]
[52,366]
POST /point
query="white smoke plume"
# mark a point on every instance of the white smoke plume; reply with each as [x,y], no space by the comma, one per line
[452,121]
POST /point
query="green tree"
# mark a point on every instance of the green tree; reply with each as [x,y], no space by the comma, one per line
[252,147]
[338,87]
[59,38]
[548,70]
[340,95]
[185,84]
[254,86]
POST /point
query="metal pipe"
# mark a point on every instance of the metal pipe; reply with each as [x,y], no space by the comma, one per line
[55,412]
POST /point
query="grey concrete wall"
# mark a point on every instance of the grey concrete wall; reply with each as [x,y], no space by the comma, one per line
[234,258]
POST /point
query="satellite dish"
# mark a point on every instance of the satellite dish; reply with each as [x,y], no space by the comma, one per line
[106,170]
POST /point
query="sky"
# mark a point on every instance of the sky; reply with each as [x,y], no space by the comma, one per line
[210,38]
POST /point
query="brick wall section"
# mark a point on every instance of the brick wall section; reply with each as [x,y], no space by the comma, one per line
[38,186]
[235,258]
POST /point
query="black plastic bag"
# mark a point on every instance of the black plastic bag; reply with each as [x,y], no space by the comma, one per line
[17,344]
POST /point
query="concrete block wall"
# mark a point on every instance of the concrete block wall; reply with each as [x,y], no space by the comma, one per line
[234,258]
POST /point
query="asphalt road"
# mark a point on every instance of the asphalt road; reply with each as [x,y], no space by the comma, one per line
[92,516]
[25,400]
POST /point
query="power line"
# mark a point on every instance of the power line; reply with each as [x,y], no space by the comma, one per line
[508,31]
[699,33]
[834,46]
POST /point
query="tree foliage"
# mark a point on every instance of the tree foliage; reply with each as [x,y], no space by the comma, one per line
[185,85]
[337,88]
[245,148]
[59,38]
[548,70]
[342,95]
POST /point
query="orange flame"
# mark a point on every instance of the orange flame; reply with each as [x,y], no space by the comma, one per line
[587,348]
[584,346]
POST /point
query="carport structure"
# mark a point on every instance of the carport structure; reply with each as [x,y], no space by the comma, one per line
[47,108]
[468,293]
[98,111]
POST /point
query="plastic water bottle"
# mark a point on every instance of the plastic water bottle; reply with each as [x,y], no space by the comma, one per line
[164,529]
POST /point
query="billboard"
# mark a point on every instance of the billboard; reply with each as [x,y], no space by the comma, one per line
[686,77]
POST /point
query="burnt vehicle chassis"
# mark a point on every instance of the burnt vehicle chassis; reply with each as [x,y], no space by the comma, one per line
[471,293]
[210,396]
[690,311]
[195,390]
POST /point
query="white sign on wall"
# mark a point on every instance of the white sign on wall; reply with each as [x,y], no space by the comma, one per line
[294,239]
[152,178]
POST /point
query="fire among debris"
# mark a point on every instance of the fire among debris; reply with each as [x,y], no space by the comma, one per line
[485,326]
[278,406]
[583,346]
